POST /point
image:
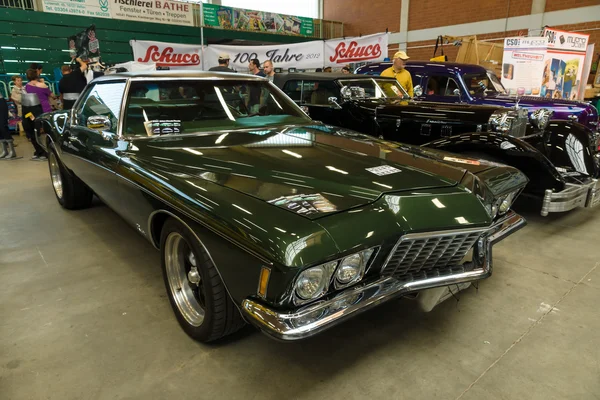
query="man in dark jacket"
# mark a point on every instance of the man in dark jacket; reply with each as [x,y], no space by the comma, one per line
[223,64]
[72,83]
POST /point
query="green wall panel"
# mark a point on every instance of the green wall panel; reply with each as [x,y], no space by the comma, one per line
[38,30]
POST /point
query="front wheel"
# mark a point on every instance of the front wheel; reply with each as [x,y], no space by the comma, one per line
[70,191]
[198,296]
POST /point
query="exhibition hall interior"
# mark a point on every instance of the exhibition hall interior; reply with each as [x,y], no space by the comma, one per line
[331,199]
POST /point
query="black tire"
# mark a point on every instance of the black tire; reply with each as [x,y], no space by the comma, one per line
[221,316]
[75,194]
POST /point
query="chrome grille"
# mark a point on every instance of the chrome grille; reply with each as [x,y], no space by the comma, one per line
[422,256]
[519,123]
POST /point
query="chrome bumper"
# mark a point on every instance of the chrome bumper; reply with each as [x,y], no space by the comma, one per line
[312,319]
[573,196]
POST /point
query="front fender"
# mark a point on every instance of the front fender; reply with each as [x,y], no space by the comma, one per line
[570,146]
[507,150]
[50,128]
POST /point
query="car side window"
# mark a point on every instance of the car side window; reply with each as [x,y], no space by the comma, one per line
[319,92]
[103,99]
[294,90]
[438,85]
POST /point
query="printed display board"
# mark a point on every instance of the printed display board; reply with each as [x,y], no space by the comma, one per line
[549,66]
[523,65]
[216,16]
[156,11]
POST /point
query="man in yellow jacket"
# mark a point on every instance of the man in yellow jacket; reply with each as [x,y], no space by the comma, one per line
[397,71]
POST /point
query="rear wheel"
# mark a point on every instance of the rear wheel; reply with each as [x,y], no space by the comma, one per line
[198,296]
[70,191]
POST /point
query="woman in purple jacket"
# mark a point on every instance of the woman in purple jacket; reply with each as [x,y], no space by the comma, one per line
[34,109]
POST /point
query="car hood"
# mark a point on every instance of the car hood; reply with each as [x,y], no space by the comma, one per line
[430,111]
[562,108]
[309,170]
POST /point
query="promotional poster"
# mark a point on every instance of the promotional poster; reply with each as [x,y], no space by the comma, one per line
[217,16]
[523,65]
[564,63]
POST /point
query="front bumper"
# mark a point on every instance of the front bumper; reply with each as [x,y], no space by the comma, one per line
[310,320]
[573,196]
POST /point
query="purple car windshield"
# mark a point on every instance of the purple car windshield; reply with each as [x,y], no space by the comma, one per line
[482,83]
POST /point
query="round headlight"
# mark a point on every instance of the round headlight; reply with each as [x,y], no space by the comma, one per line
[498,122]
[540,118]
[311,283]
[504,206]
[350,268]
[506,203]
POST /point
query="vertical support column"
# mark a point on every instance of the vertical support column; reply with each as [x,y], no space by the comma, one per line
[321,11]
[536,18]
[404,7]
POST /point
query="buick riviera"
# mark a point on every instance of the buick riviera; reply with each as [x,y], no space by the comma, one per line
[560,158]
[264,216]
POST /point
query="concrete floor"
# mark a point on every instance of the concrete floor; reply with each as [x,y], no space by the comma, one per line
[83,315]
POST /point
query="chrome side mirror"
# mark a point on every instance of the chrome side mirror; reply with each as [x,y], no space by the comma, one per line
[418,91]
[457,92]
[333,101]
[99,123]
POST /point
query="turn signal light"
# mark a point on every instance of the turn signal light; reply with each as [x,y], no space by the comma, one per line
[263,281]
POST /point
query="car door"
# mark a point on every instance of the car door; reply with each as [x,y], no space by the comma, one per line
[93,140]
[315,96]
[442,88]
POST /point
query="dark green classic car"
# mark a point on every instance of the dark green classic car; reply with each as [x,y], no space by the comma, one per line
[265,216]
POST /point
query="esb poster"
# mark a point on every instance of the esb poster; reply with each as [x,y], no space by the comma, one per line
[523,65]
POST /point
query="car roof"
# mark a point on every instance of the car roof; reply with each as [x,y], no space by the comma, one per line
[432,64]
[181,74]
[323,76]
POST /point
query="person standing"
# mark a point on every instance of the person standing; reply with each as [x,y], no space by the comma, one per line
[15,95]
[7,147]
[269,70]
[398,71]
[36,101]
[346,70]
[254,99]
[223,64]
[72,83]
[254,67]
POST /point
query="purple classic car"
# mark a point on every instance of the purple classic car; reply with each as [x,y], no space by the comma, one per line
[473,84]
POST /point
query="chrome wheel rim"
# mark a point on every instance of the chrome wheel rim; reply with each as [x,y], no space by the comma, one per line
[185,282]
[55,176]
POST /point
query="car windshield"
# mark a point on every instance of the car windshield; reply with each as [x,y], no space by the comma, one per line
[189,106]
[480,84]
[378,88]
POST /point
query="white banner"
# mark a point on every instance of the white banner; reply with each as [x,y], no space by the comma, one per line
[157,11]
[307,55]
[84,8]
[339,52]
[172,55]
